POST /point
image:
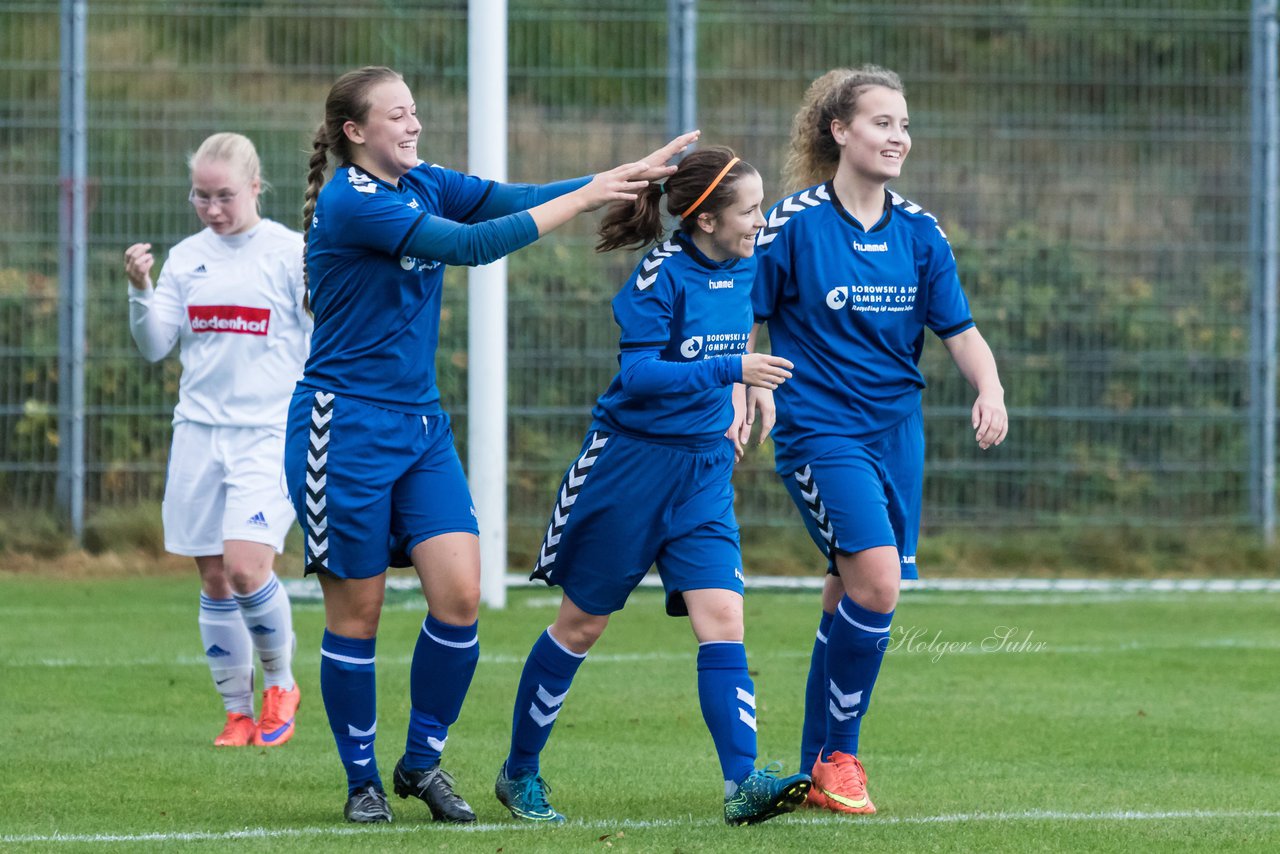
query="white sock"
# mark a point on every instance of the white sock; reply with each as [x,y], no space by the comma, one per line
[229,652]
[269,620]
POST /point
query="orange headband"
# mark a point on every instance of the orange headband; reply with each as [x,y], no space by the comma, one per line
[725,171]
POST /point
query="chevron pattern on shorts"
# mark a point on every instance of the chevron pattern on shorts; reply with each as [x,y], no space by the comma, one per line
[812,500]
[317,477]
[569,489]
[789,207]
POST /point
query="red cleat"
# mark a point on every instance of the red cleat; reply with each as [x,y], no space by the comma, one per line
[841,784]
[279,707]
[240,731]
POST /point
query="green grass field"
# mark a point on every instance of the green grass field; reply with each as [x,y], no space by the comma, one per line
[1103,722]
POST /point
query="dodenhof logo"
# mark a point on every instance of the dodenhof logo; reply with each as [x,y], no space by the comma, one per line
[244,320]
[691,347]
[837,297]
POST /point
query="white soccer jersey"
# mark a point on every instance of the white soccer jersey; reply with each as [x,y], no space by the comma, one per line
[235,303]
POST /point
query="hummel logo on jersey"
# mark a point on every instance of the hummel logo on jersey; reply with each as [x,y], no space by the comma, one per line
[201,269]
[258,520]
[870,247]
[216,651]
[691,347]
[717,284]
[360,181]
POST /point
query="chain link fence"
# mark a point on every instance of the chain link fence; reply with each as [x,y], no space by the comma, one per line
[1089,160]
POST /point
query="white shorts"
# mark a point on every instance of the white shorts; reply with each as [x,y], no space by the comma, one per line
[225,483]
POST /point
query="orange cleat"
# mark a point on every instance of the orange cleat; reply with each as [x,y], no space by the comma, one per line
[279,707]
[815,799]
[841,784]
[240,731]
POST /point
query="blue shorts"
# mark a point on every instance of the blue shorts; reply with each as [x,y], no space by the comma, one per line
[369,484]
[626,504]
[862,495]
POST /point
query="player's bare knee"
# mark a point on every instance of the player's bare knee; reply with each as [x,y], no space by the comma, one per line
[246,576]
[579,634]
[879,597]
[460,607]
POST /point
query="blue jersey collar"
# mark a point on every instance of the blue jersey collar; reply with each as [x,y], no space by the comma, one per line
[699,258]
[881,224]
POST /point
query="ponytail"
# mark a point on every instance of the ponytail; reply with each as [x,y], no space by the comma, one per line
[705,182]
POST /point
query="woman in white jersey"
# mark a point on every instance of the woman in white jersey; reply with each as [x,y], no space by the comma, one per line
[851,275]
[232,295]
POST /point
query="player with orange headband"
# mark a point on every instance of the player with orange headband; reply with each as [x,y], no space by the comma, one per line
[652,483]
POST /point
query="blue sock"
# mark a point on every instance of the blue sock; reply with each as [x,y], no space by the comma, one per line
[443,663]
[728,700]
[855,648]
[349,688]
[814,733]
[544,682]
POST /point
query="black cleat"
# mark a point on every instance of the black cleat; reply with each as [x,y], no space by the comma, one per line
[367,805]
[434,787]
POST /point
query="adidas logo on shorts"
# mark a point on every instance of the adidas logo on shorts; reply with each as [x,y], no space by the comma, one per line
[258,520]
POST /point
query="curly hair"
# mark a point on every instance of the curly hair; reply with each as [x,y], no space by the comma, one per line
[814,154]
[631,225]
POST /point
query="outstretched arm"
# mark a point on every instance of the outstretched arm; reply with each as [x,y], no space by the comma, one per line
[621,183]
[472,244]
[973,357]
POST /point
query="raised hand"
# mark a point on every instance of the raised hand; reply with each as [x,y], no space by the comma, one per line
[621,183]
[656,163]
[138,262]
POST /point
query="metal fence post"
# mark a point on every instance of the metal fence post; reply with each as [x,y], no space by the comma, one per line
[682,66]
[72,241]
[1265,256]
[487,300]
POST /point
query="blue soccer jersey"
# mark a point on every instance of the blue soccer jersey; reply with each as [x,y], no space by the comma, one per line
[685,320]
[849,307]
[375,261]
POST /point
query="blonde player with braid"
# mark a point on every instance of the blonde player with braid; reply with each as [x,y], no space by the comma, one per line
[371,466]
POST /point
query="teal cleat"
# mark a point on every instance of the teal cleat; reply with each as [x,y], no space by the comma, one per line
[765,795]
[526,797]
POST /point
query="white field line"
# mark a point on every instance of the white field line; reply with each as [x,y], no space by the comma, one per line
[916,646]
[633,824]
[309,588]
[305,592]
